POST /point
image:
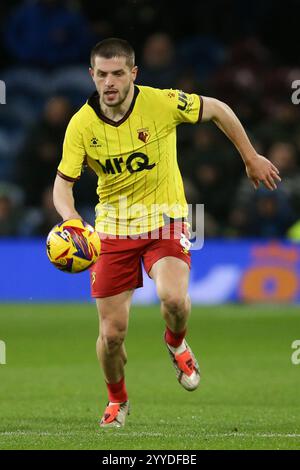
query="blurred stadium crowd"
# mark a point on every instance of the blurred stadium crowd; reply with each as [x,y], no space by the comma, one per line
[44,59]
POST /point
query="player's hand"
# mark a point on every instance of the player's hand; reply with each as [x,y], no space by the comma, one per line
[261,170]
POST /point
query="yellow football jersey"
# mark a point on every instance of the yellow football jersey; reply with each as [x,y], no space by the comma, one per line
[134,158]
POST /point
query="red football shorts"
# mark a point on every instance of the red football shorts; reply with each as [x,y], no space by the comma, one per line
[119,267]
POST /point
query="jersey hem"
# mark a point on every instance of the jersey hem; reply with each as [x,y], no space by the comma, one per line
[110,293]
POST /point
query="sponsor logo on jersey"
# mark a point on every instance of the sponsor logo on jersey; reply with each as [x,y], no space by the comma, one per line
[134,163]
[95,142]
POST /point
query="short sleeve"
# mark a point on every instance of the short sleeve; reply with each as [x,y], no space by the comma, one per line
[73,156]
[185,107]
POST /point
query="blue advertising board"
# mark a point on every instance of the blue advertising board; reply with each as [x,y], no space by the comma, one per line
[222,271]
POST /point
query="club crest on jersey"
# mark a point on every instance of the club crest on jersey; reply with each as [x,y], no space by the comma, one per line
[143,134]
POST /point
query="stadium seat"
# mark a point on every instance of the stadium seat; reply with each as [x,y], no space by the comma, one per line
[75,78]
[74,83]
[209,53]
[24,79]
[12,135]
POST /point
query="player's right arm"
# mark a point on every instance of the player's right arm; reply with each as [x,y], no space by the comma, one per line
[63,198]
[258,168]
[69,171]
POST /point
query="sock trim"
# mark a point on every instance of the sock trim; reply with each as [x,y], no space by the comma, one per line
[117,392]
[174,339]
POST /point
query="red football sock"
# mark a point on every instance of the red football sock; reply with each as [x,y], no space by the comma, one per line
[174,339]
[117,392]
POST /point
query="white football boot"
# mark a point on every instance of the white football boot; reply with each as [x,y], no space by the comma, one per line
[115,415]
[186,366]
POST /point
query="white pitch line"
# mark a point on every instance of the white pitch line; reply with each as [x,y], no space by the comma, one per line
[154,434]
[242,434]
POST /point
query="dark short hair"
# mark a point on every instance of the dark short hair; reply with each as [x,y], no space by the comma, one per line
[113,47]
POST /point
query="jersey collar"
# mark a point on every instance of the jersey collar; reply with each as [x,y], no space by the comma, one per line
[93,101]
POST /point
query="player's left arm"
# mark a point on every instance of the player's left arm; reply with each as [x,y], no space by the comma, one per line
[258,168]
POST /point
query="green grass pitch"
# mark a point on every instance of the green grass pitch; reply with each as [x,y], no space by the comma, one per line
[52,391]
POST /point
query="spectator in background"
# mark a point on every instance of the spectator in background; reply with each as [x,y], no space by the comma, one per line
[11,202]
[200,53]
[37,167]
[280,122]
[188,82]
[260,214]
[284,154]
[159,68]
[47,33]
[42,221]
[193,147]
[212,171]
[38,159]
[270,216]
[247,75]
[48,215]
[241,76]
[265,216]
[213,193]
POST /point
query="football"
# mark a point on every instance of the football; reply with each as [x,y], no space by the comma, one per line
[73,246]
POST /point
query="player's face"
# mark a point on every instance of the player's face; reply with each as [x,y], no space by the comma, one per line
[113,79]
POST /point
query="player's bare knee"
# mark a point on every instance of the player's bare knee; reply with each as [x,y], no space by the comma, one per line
[174,304]
[113,342]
